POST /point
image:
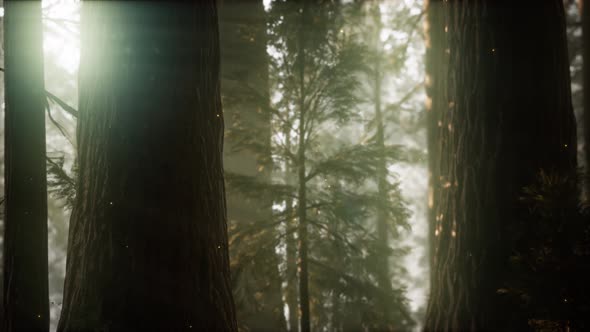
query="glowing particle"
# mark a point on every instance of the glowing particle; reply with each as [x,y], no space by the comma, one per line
[428,103]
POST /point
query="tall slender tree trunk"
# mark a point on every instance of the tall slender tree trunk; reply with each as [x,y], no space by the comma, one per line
[245,91]
[336,320]
[504,113]
[148,246]
[303,237]
[305,324]
[383,228]
[291,253]
[337,260]
[26,296]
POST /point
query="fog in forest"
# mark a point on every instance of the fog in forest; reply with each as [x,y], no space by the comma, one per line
[349,127]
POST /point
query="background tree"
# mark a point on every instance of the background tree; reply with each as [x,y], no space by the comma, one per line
[245,91]
[148,243]
[382,121]
[26,300]
[332,200]
[487,86]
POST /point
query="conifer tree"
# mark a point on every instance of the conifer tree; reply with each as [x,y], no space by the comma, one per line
[380,64]
[245,93]
[322,181]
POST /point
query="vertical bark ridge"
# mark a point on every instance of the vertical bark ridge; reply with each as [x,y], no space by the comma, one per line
[501,112]
[148,241]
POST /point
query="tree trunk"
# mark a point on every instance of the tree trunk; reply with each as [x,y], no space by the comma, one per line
[383,227]
[245,91]
[148,247]
[500,90]
[305,324]
[26,297]
[436,64]
[291,253]
[586,77]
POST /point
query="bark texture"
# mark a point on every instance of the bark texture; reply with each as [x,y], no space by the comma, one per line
[500,112]
[586,77]
[26,297]
[148,246]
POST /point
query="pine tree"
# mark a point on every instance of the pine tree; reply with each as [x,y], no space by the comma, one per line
[321,182]
[381,64]
[26,299]
[148,244]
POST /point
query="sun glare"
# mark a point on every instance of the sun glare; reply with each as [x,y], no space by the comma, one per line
[61,36]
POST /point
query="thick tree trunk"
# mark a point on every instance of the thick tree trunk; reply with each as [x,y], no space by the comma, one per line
[26,298]
[244,64]
[148,241]
[586,75]
[500,92]
[436,78]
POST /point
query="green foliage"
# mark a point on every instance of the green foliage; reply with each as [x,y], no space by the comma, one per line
[59,184]
[343,198]
[316,71]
